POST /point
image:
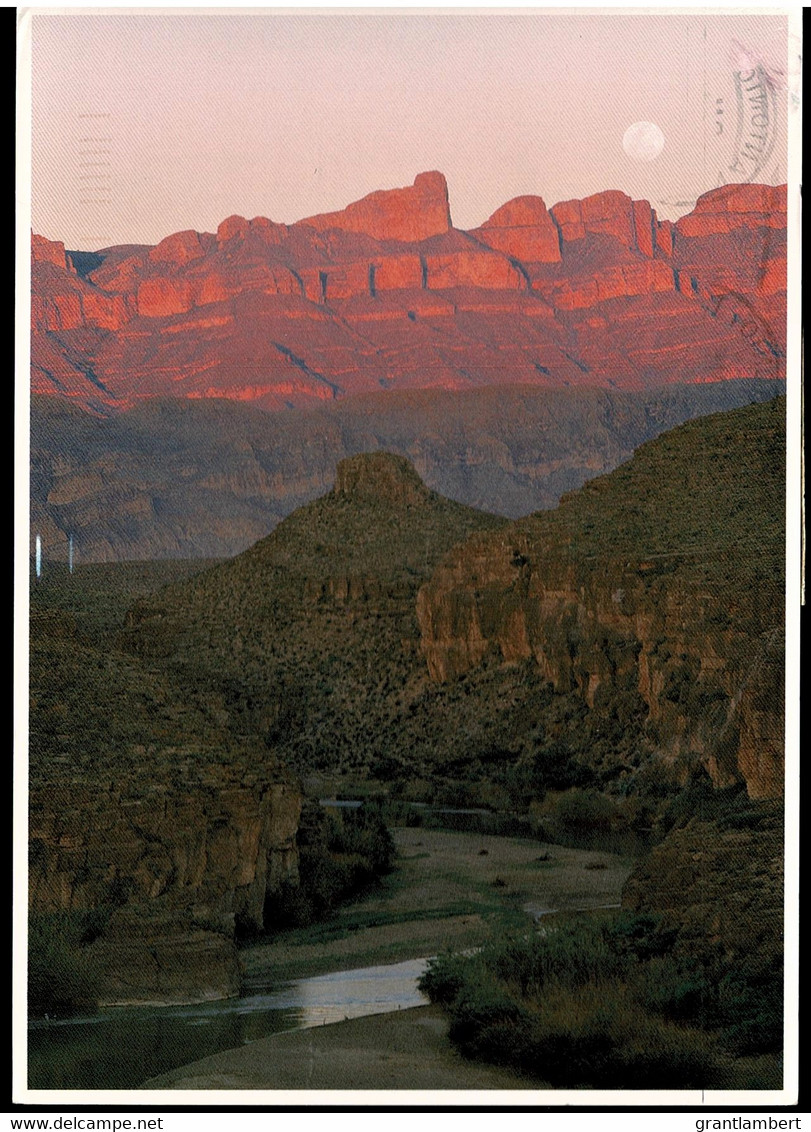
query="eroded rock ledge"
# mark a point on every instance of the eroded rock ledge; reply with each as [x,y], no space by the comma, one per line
[665,578]
[178,870]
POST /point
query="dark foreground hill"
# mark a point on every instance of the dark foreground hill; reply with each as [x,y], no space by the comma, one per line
[173,479]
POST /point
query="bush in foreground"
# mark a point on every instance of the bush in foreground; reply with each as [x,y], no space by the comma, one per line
[594,1003]
[340,854]
[62,978]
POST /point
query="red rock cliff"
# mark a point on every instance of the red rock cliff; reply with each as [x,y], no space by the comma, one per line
[386,293]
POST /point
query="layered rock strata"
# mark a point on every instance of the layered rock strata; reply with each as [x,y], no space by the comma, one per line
[388,294]
[177,869]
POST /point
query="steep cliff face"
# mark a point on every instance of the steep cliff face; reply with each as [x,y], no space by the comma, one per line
[221,847]
[387,293]
[144,819]
[178,869]
[665,577]
[411,214]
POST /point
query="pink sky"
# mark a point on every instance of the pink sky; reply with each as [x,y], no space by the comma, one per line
[150,123]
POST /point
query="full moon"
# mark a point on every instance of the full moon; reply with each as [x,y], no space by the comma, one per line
[643,141]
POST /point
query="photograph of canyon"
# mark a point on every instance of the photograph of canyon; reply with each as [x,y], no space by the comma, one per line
[406,614]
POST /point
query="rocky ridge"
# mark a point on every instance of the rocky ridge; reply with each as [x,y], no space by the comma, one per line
[178,478]
[664,578]
[388,294]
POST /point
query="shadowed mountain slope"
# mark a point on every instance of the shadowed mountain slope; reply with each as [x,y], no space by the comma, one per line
[308,638]
[209,478]
[639,622]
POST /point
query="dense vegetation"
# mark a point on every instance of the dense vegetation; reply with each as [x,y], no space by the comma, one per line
[606,1003]
[702,506]
[62,977]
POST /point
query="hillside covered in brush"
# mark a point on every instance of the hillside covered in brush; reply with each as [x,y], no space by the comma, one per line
[633,633]
[663,582]
[309,639]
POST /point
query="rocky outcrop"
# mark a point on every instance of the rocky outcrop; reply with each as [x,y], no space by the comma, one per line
[761,720]
[178,869]
[733,207]
[49,251]
[718,888]
[382,476]
[649,579]
[386,293]
[523,229]
[409,215]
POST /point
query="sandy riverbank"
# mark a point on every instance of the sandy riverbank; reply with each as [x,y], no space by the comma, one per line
[405,1050]
[447,891]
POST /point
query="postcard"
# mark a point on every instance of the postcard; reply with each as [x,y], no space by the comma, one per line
[408,579]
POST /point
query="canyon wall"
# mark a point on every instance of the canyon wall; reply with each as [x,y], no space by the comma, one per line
[664,578]
[176,870]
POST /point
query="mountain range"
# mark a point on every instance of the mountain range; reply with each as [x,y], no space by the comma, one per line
[173,478]
[388,294]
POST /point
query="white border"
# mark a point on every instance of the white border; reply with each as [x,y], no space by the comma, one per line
[694,1100]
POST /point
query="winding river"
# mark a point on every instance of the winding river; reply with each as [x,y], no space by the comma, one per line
[121,1047]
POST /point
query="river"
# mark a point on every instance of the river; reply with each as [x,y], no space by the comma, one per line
[121,1047]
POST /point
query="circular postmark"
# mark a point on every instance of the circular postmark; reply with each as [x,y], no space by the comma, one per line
[735,113]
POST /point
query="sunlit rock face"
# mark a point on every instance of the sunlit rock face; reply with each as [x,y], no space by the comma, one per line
[409,215]
[664,577]
[388,294]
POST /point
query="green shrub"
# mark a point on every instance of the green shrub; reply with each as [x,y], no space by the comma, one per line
[555,767]
[444,977]
[584,810]
[480,1012]
[63,979]
[678,990]
[576,1006]
[569,954]
[751,1008]
[340,854]
[641,934]
[593,1035]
